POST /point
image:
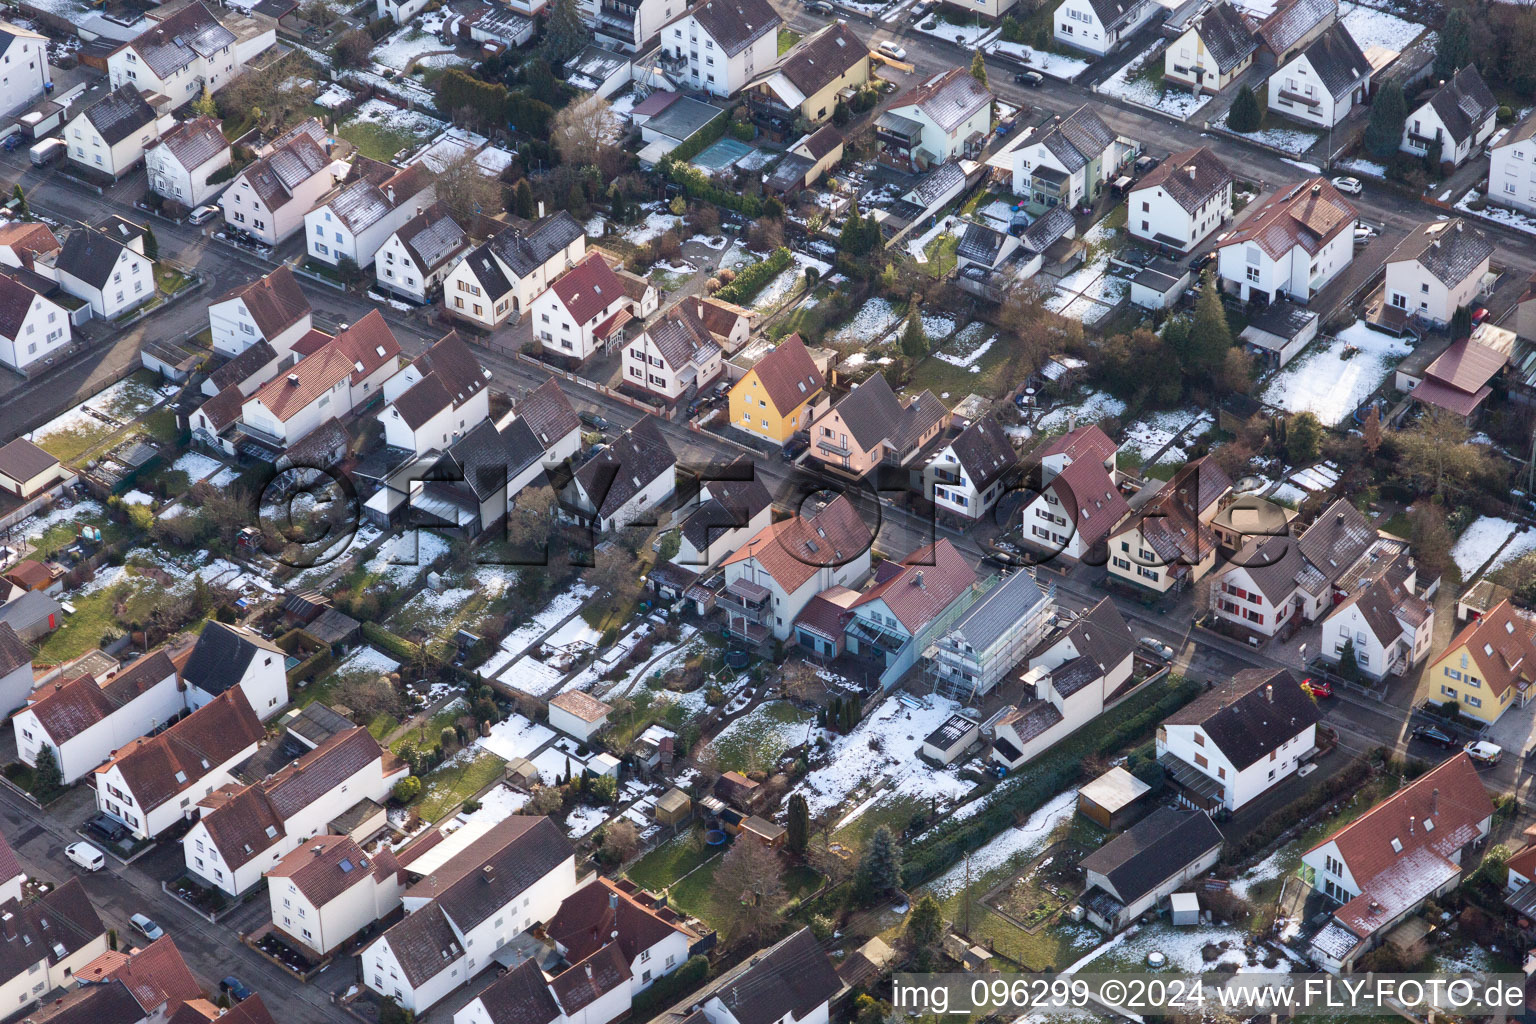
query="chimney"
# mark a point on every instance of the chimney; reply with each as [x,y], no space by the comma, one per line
[589,971]
[1191,171]
[389,191]
[293,379]
[1434,802]
[1411,820]
[541,209]
[1317,189]
[488,872]
[1269,692]
[613,901]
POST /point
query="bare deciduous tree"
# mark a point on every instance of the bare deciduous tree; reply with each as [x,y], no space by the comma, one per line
[466,190]
[586,133]
[752,874]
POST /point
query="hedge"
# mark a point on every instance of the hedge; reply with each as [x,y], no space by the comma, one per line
[701,139]
[751,280]
[1351,778]
[397,647]
[697,186]
[670,988]
[1031,786]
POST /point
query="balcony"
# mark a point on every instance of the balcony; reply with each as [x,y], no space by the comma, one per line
[745,598]
[1296,97]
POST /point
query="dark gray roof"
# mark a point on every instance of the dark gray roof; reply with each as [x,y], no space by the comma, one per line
[433,237]
[1116,12]
[195,142]
[683,118]
[23,460]
[1291,20]
[494,870]
[937,185]
[1101,635]
[521,996]
[732,503]
[221,655]
[1337,59]
[681,337]
[789,173]
[14,653]
[998,609]
[1464,103]
[620,471]
[1052,225]
[450,375]
[424,944]
[119,114]
[1153,850]
[486,458]
[1336,538]
[596,63]
[794,977]
[1449,249]
[177,41]
[735,24]
[984,451]
[89,255]
[243,366]
[949,97]
[548,413]
[822,57]
[526,252]
[319,722]
[980,244]
[1226,36]
[1190,178]
[1251,714]
[1078,138]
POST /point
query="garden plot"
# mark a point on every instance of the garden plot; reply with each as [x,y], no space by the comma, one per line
[938,326]
[1053,64]
[398,49]
[397,119]
[333,96]
[1130,84]
[515,737]
[1091,292]
[1148,437]
[1096,408]
[1367,168]
[968,347]
[403,557]
[1010,845]
[328,560]
[1485,540]
[584,820]
[590,676]
[524,637]
[1186,950]
[561,760]
[93,420]
[367,661]
[774,292]
[1338,375]
[1321,477]
[1370,27]
[1294,141]
[657,222]
[873,320]
[1497,214]
[197,466]
[756,740]
[879,761]
[533,676]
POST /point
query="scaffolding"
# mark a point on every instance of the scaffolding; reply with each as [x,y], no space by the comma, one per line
[964,673]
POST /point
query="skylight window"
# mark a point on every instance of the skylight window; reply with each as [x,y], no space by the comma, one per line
[1397,845]
[345,865]
[271,831]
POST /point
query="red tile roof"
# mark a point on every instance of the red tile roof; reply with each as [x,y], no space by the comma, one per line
[1310,215]
[789,375]
[794,549]
[1090,500]
[588,288]
[930,579]
[158,768]
[1085,441]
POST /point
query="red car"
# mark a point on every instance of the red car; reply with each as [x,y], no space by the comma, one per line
[1479,315]
[1317,687]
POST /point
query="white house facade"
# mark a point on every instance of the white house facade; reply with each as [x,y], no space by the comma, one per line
[720,45]
[1100,27]
[1293,246]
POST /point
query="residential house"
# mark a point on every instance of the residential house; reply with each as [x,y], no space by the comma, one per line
[153,783]
[32,327]
[1168,543]
[732,507]
[1441,266]
[631,26]
[1510,183]
[1293,245]
[414,260]
[1291,26]
[191,52]
[328,889]
[1100,26]
[1489,665]
[1383,865]
[333,377]
[775,399]
[791,982]
[464,912]
[1088,442]
[15,685]
[1213,52]
[184,158]
[1460,379]
[269,198]
[1182,200]
[653,941]
[1276,579]
[967,476]
[1453,120]
[109,136]
[626,481]
[969,658]
[907,604]
[1067,160]
[1067,682]
[227,657]
[583,310]
[84,721]
[807,82]
[578,714]
[21,87]
[357,221]
[244,830]
[48,940]
[674,358]
[770,579]
[270,309]
[809,159]
[470,486]
[870,426]
[151,984]
[1323,82]
[113,278]
[595,990]
[506,274]
[946,117]
[720,45]
[729,324]
[21,242]
[1075,510]
[439,397]
[28,472]
[1238,739]
[1386,626]
[1148,862]
[12,875]
[554,423]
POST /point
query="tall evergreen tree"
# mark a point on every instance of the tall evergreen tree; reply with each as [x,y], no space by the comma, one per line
[1455,49]
[1461,323]
[22,209]
[926,922]
[880,867]
[799,825]
[564,32]
[522,199]
[1384,131]
[1245,115]
[47,778]
[914,343]
[1205,352]
[151,244]
[979,68]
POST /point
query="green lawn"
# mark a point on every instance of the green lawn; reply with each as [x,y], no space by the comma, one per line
[382,725]
[85,433]
[450,784]
[941,255]
[670,861]
[757,740]
[82,631]
[375,141]
[991,379]
[426,734]
[787,40]
[170,280]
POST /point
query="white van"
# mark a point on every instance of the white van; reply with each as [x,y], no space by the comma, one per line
[85,856]
[46,152]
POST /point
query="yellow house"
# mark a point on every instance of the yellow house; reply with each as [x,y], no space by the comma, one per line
[806,81]
[1490,665]
[774,399]
[1169,542]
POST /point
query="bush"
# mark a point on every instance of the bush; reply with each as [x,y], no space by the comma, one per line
[397,647]
[751,280]
[697,186]
[407,789]
[670,988]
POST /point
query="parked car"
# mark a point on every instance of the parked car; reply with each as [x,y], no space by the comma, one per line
[892,50]
[238,990]
[203,214]
[1317,687]
[1479,315]
[108,828]
[1144,164]
[794,448]
[1349,186]
[85,856]
[1156,648]
[146,927]
[1483,753]
[820,7]
[920,10]
[1364,233]
[1202,261]
[594,421]
[1434,735]
[1033,79]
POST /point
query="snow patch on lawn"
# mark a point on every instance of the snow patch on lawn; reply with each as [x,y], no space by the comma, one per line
[1027,838]
[1480,541]
[367,659]
[397,119]
[1331,382]
[1497,214]
[874,318]
[515,737]
[1149,435]
[1127,84]
[197,466]
[1370,27]
[1294,141]
[1053,64]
